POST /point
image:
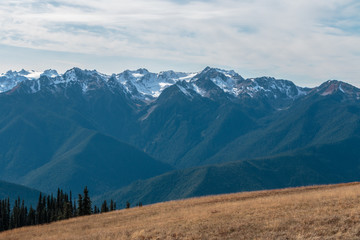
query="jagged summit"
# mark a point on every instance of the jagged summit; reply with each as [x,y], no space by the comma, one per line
[234,84]
[143,84]
[11,79]
[51,73]
[335,87]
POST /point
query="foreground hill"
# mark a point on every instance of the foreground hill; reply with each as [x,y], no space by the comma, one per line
[13,191]
[323,164]
[317,212]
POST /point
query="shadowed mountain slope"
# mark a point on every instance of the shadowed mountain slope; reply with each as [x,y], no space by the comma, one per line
[13,191]
[332,163]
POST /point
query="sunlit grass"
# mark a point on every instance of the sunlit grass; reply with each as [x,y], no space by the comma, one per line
[318,212]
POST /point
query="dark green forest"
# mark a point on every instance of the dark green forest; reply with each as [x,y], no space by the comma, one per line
[49,208]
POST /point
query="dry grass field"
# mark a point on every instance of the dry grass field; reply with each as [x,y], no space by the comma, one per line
[317,212]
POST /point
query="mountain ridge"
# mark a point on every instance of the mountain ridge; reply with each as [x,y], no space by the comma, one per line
[147,86]
[322,164]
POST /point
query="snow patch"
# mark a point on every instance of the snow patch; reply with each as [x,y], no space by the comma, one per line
[198,90]
[340,88]
[148,113]
[33,75]
[301,92]
[188,77]
[184,90]
[137,75]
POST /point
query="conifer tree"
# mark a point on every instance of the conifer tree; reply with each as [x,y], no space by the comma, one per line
[80,211]
[7,214]
[31,217]
[67,210]
[38,211]
[71,205]
[74,209]
[111,205]
[1,217]
[104,207]
[86,202]
[44,212]
[23,214]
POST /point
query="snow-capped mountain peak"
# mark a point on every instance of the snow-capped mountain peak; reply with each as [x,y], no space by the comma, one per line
[235,85]
[146,86]
[12,78]
[22,73]
[225,80]
[332,87]
[270,87]
[142,83]
[50,73]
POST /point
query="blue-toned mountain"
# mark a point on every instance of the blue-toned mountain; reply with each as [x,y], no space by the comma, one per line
[85,127]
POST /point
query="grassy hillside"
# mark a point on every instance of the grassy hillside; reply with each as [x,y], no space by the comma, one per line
[317,212]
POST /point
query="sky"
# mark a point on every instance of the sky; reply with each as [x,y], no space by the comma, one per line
[305,41]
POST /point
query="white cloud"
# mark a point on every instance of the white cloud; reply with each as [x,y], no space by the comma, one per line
[307,41]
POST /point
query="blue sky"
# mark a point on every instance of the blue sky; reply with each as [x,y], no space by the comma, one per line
[305,41]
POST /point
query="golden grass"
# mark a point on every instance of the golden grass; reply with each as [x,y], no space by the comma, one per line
[317,212]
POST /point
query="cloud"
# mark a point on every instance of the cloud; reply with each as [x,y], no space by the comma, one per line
[302,40]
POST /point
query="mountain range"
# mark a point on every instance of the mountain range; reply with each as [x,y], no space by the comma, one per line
[170,130]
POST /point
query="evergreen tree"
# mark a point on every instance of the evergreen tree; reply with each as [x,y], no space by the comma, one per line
[4,214]
[44,213]
[15,215]
[67,210]
[7,215]
[112,205]
[74,209]
[38,211]
[104,207]
[23,214]
[1,217]
[31,217]
[71,205]
[80,211]
[86,202]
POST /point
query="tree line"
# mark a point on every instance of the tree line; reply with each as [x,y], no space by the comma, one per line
[49,208]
